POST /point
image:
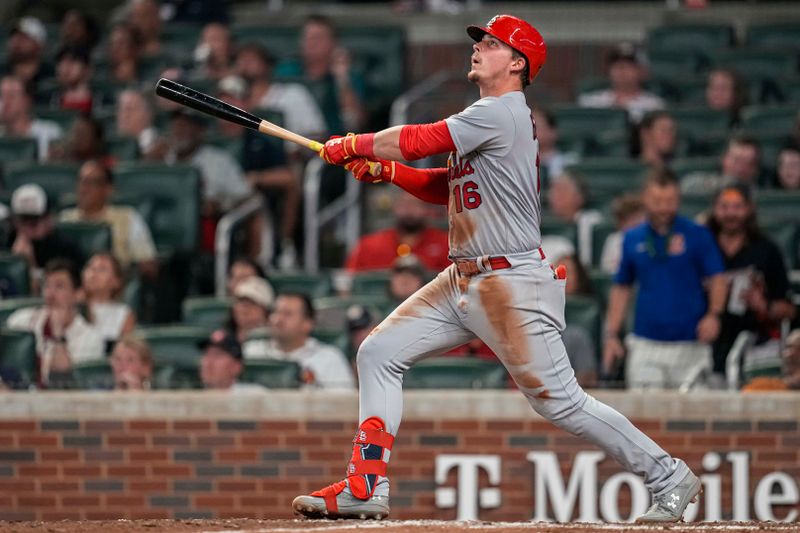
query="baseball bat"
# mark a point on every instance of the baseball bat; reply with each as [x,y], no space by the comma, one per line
[209,105]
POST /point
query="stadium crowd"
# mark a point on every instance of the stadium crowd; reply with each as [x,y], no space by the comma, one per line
[678,192]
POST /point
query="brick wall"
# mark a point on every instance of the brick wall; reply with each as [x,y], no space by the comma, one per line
[112,460]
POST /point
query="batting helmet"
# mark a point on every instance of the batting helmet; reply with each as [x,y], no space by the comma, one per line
[517,34]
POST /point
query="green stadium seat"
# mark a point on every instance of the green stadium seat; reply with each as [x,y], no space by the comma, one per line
[667,63]
[785,236]
[775,36]
[281,41]
[592,84]
[689,165]
[584,311]
[772,119]
[379,53]
[14,276]
[611,174]
[94,375]
[332,311]
[456,373]
[600,233]
[206,312]
[168,198]
[233,146]
[175,345]
[336,337]
[586,121]
[63,117]
[694,37]
[13,149]
[18,352]
[694,204]
[789,87]
[553,227]
[58,180]
[758,64]
[272,373]
[373,283]
[123,148]
[9,305]
[314,285]
[90,237]
[698,122]
[177,377]
[777,205]
[179,38]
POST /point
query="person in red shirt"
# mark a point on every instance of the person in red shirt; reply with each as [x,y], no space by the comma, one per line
[410,235]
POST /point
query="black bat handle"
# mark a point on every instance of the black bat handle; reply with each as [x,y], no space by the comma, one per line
[204,103]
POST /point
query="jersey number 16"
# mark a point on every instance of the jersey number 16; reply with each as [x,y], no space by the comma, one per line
[466,196]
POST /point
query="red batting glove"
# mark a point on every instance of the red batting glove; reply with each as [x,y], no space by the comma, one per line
[340,150]
[372,171]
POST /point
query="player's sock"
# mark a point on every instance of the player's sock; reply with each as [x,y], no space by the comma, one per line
[366,465]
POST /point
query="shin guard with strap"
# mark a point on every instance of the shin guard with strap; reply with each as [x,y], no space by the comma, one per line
[367,464]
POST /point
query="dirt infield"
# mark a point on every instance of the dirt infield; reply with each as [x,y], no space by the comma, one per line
[388,526]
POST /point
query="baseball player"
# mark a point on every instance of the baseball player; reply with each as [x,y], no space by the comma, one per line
[499,288]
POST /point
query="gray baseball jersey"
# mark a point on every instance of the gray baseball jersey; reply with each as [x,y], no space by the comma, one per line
[494,179]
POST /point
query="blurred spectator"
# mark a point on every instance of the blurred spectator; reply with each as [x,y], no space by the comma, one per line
[196,11]
[131,238]
[25,51]
[242,268]
[741,163]
[266,166]
[410,235]
[213,55]
[658,138]
[221,364]
[63,337]
[35,235]
[85,140]
[124,49]
[102,288]
[360,323]
[300,112]
[408,276]
[73,71]
[788,168]
[551,159]
[132,364]
[628,212]
[759,288]
[626,73]
[726,90]
[672,259]
[16,120]
[252,301]
[790,380]
[223,182]
[577,340]
[78,29]
[292,320]
[145,19]
[135,119]
[338,88]
[567,198]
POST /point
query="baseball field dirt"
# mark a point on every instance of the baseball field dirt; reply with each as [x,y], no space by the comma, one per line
[387,526]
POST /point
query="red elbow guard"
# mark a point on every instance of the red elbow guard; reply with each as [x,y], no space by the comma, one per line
[423,140]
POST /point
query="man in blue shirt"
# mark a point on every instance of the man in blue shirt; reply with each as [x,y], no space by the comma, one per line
[674,262]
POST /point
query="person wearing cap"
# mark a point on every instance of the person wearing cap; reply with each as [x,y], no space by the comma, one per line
[265,162]
[626,75]
[131,240]
[134,118]
[17,120]
[301,114]
[25,51]
[73,72]
[223,182]
[758,300]
[408,276]
[252,302]
[291,322]
[681,293]
[35,236]
[63,336]
[222,363]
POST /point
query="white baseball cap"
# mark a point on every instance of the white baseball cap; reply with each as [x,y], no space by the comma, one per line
[29,200]
[257,290]
[33,28]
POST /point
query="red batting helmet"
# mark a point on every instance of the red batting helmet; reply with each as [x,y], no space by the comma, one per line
[517,34]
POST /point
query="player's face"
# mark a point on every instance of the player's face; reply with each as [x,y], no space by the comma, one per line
[491,60]
[661,204]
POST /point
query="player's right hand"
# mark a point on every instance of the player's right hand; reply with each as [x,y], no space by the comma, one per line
[339,150]
[372,171]
[612,351]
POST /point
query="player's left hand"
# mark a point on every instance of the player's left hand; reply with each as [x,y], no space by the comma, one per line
[339,150]
[372,171]
[708,328]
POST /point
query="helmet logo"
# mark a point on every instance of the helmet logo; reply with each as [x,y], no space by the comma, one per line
[489,24]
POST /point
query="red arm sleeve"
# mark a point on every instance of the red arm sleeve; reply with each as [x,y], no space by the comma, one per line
[428,184]
[423,140]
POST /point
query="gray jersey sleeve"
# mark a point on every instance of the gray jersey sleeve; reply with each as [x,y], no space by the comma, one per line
[487,125]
